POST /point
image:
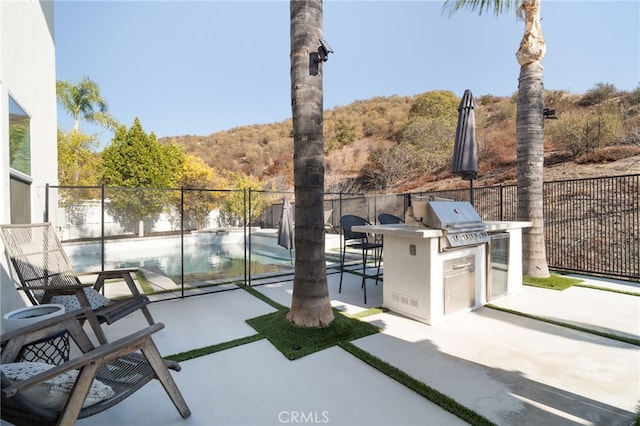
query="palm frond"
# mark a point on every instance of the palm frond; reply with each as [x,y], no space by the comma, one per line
[481,6]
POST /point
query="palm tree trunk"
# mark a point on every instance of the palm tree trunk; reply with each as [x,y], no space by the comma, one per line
[310,305]
[530,141]
[530,149]
[529,127]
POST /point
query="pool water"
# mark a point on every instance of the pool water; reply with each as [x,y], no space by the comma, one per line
[201,262]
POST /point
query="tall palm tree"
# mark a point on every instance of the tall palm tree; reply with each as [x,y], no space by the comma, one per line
[82,100]
[310,305]
[529,125]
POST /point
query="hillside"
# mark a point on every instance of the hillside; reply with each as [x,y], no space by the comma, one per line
[371,145]
[553,171]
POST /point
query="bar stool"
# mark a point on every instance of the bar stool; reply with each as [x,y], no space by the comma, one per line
[359,241]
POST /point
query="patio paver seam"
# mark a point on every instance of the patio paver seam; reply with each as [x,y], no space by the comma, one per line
[629,340]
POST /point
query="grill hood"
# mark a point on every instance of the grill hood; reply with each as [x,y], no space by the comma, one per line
[461,224]
[452,216]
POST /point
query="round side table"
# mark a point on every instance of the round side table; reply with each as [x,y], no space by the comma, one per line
[53,350]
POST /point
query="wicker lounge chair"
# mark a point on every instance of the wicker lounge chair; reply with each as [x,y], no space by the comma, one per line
[100,377]
[46,276]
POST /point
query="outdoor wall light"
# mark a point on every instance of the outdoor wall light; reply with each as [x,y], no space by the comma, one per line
[320,56]
[549,114]
[323,51]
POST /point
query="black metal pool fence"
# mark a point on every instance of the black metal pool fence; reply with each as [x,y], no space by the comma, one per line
[591,225]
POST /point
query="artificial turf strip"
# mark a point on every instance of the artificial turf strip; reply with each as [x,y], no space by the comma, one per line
[367,313]
[417,386]
[295,342]
[629,340]
[554,282]
[264,298]
[612,290]
[147,288]
[207,350]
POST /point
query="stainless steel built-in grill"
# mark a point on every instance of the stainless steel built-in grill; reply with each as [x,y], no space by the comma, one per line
[461,224]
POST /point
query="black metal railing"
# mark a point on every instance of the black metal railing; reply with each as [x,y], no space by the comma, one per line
[591,225]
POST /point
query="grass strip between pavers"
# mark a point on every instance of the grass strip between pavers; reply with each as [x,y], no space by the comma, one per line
[629,340]
[347,327]
[265,299]
[207,350]
[438,398]
[367,313]
[612,290]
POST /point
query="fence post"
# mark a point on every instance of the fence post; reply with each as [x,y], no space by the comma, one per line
[340,226]
[247,244]
[501,202]
[182,241]
[102,205]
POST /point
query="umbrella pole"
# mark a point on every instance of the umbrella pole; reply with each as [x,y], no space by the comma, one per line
[471,191]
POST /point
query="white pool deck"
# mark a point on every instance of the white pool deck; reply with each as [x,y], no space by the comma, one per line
[508,368]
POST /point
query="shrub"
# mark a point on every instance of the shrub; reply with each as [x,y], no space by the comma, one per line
[579,132]
[633,98]
[633,137]
[437,104]
[600,93]
[487,99]
[504,111]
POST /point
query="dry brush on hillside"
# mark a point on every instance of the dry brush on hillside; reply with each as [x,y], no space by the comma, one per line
[377,145]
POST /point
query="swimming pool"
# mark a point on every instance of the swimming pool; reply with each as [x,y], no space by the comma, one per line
[216,256]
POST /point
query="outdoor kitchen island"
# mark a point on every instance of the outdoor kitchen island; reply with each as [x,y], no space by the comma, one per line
[429,284]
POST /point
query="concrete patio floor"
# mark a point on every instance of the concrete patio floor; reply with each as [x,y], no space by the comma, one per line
[510,369]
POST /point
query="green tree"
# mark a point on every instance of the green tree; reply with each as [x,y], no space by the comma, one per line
[344,133]
[197,180]
[440,104]
[430,133]
[431,139]
[529,125]
[82,100]
[424,146]
[310,304]
[136,160]
[78,164]
[233,204]
[80,168]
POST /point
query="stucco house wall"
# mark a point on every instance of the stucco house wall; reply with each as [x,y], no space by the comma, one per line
[28,75]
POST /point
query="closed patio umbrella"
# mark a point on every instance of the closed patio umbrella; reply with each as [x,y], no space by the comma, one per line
[285,228]
[465,150]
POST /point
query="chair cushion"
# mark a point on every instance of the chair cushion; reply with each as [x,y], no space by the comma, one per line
[71,303]
[53,393]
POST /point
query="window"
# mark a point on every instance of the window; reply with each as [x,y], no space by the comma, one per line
[19,138]
[19,163]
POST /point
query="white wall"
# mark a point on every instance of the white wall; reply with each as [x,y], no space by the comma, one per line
[27,73]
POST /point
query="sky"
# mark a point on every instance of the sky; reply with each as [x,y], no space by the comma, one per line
[198,67]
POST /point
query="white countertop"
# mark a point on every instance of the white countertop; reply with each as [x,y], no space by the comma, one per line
[503,226]
[400,230]
[403,230]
